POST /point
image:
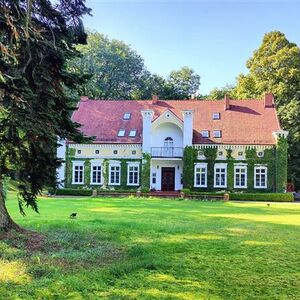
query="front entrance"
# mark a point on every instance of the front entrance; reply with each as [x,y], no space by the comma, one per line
[167,179]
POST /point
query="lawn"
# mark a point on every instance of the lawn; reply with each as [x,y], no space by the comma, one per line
[128,248]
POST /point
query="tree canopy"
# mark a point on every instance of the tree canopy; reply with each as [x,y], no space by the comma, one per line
[116,71]
[37,38]
[275,67]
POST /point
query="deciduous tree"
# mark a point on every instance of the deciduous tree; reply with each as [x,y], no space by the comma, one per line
[275,67]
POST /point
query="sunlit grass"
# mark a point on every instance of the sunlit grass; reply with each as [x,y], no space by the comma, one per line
[128,248]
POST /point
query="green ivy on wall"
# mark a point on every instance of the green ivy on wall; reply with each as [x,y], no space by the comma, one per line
[70,156]
[267,160]
[145,173]
[281,164]
[230,170]
[210,155]
[189,157]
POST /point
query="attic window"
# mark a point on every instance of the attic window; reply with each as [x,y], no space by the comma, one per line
[260,153]
[132,133]
[217,133]
[127,116]
[205,133]
[121,132]
[216,116]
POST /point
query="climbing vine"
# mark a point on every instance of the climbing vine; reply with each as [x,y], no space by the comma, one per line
[281,164]
[145,178]
[210,155]
[189,157]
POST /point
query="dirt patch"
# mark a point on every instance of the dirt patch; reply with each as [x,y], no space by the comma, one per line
[29,240]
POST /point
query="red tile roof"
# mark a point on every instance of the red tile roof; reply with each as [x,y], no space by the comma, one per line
[246,122]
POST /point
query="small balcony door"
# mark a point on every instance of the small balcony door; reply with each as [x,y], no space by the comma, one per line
[167,179]
[168,147]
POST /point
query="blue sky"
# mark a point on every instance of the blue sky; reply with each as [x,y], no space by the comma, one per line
[215,38]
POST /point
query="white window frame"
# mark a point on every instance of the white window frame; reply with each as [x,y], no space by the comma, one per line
[216,116]
[201,166]
[220,166]
[121,132]
[244,167]
[127,116]
[132,133]
[135,164]
[96,164]
[205,133]
[266,177]
[260,155]
[77,164]
[115,164]
[219,135]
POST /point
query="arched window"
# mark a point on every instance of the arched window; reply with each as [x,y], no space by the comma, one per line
[168,143]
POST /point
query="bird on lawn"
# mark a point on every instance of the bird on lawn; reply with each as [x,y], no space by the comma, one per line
[73,215]
[268,204]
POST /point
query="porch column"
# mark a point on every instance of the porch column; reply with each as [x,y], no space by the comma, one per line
[187,127]
[147,120]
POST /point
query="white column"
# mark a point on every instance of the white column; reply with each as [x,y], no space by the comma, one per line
[147,121]
[61,154]
[187,127]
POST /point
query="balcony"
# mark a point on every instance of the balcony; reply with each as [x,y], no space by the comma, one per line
[167,152]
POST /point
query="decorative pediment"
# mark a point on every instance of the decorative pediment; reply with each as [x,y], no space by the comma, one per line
[167,117]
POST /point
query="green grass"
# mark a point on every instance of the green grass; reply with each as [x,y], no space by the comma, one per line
[130,248]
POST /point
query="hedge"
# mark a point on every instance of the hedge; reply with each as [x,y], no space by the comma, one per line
[193,193]
[74,192]
[272,197]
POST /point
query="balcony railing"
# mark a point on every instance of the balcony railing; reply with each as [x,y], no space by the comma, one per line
[166,152]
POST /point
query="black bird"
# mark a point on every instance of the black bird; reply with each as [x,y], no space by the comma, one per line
[268,204]
[73,215]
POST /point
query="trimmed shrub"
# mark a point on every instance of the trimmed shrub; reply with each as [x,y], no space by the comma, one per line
[74,192]
[271,197]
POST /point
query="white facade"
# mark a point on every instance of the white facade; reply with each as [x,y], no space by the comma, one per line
[157,166]
[61,154]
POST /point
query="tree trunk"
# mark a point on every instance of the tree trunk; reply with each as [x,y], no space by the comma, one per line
[6,222]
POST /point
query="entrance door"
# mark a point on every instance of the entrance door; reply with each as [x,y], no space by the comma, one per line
[167,179]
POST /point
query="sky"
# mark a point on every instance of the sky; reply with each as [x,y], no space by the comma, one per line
[215,38]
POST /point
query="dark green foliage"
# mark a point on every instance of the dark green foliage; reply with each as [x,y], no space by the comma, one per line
[116,71]
[189,157]
[230,170]
[145,178]
[275,197]
[211,155]
[74,192]
[275,67]
[281,164]
[37,37]
[269,159]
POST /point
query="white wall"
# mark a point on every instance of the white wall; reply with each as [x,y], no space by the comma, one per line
[166,163]
[60,172]
[165,130]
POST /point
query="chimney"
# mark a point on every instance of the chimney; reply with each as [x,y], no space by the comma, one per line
[269,100]
[154,99]
[84,98]
[227,103]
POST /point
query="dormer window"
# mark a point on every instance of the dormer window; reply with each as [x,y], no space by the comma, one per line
[216,116]
[217,133]
[205,133]
[127,116]
[121,132]
[132,133]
